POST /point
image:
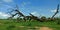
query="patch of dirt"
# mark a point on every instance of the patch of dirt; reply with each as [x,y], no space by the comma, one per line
[37,28]
[45,28]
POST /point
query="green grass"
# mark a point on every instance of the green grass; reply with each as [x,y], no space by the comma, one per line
[11,25]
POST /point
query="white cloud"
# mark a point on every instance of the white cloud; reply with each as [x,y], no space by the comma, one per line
[53,10]
[4,15]
[57,15]
[35,14]
[8,1]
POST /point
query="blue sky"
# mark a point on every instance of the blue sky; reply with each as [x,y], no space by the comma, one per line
[36,7]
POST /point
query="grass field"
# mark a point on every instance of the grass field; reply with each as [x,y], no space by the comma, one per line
[32,25]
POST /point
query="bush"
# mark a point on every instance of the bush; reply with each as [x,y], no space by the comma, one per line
[43,18]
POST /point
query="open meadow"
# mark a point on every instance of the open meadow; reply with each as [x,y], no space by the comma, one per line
[28,25]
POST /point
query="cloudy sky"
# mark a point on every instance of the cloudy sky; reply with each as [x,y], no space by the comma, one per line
[36,7]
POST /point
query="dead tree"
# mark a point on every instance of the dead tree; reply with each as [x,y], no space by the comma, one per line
[12,16]
[17,12]
[57,11]
[35,18]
